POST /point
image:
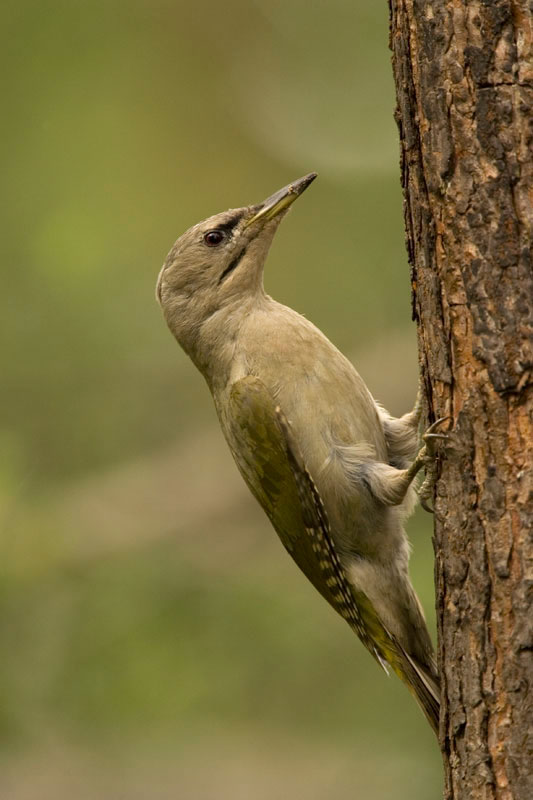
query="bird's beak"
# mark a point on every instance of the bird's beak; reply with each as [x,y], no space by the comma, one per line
[282,199]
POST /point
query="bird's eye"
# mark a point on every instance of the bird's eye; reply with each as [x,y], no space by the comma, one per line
[214,238]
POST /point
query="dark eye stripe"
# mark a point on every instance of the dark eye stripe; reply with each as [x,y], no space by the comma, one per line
[232,265]
[231,223]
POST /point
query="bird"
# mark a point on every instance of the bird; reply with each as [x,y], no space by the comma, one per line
[332,469]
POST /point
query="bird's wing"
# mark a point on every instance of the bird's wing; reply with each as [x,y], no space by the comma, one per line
[272,465]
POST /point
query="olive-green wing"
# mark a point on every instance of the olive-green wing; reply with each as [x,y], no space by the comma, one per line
[272,465]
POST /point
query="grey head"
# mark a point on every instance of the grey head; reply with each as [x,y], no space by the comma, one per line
[214,271]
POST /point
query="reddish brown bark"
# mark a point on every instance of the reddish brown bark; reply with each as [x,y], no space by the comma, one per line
[464,79]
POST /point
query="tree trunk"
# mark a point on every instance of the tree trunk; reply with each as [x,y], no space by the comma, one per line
[464,80]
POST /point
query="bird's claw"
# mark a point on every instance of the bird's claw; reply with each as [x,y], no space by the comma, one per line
[427,455]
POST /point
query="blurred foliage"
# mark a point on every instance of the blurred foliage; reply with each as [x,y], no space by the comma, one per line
[155,644]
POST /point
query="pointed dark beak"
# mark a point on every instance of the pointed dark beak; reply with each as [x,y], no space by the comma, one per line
[282,199]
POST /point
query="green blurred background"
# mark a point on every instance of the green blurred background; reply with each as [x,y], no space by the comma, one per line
[157,642]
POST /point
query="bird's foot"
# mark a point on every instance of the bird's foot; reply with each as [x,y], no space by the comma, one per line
[427,458]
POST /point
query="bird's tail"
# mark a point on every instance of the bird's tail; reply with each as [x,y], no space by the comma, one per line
[421,679]
[423,683]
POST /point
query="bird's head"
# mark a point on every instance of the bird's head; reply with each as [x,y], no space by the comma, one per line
[218,263]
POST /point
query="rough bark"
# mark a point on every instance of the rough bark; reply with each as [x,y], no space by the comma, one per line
[464,79]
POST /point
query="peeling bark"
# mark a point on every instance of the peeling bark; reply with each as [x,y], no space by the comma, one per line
[464,80]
